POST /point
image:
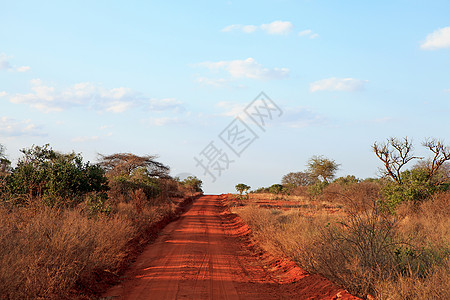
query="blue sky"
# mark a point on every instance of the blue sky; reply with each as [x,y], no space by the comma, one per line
[168,77]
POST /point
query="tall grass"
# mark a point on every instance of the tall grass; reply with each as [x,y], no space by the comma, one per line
[403,256]
[51,253]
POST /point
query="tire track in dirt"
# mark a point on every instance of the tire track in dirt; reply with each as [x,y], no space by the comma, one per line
[207,254]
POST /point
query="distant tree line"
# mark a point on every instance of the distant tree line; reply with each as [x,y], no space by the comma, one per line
[46,176]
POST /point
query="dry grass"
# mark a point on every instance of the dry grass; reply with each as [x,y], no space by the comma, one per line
[49,253]
[45,253]
[365,250]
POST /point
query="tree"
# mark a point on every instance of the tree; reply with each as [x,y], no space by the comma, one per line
[128,173]
[295,179]
[322,168]
[241,188]
[395,154]
[54,177]
[276,189]
[127,163]
[193,184]
[418,183]
[441,154]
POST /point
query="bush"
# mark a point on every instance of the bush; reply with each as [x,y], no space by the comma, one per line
[54,178]
[277,189]
[416,186]
[316,189]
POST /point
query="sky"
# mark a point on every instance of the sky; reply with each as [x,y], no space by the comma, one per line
[183,80]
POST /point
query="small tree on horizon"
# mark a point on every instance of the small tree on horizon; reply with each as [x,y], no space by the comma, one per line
[322,168]
[241,188]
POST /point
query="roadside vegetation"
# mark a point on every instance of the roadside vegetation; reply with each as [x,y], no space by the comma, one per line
[70,227]
[386,237]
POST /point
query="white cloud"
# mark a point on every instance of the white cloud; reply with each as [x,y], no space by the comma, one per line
[23,69]
[3,94]
[243,28]
[338,84]
[248,68]
[308,33]
[10,127]
[305,32]
[118,106]
[438,39]
[276,27]
[84,139]
[48,98]
[249,28]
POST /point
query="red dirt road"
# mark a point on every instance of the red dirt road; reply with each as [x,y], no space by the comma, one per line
[207,254]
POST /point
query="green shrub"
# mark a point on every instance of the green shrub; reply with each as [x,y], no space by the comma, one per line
[276,189]
[317,188]
[54,178]
[416,186]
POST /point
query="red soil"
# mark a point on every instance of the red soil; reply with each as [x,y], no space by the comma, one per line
[208,254]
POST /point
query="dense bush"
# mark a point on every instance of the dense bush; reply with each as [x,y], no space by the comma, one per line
[54,178]
[415,187]
[193,184]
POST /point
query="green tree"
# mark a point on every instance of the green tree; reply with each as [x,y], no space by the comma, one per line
[53,177]
[322,168]
[276,189]
[128,173]
[241,188]
[193,184]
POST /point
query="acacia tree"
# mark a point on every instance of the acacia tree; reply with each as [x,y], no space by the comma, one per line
[129,173]
[241,188]
[128,163]
[322,168]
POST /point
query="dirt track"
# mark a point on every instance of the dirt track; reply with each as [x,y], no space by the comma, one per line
[207,254]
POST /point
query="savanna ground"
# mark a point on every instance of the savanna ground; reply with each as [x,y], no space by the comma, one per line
[345,235]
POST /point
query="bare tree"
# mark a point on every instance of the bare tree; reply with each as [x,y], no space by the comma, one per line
[394,154]
[127,163]
[441,155]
